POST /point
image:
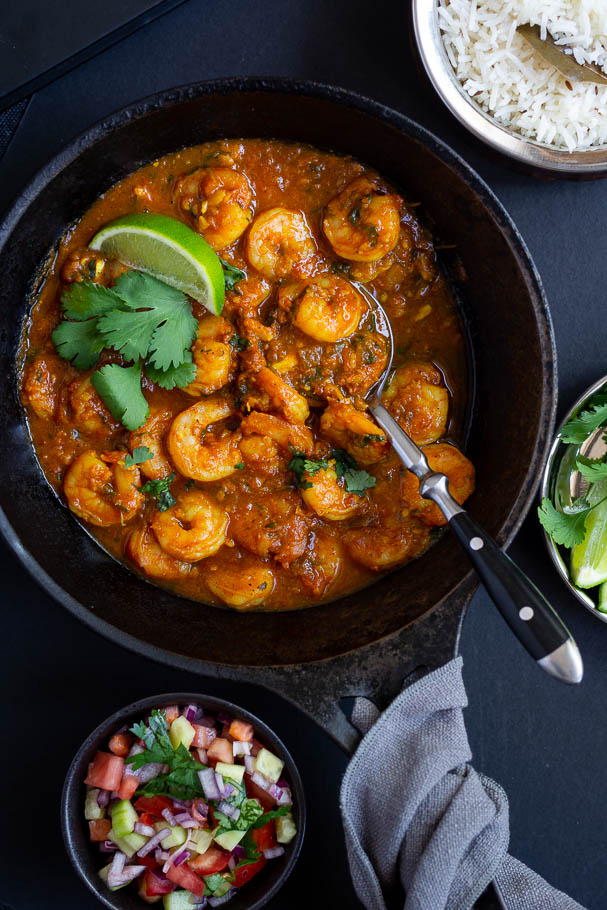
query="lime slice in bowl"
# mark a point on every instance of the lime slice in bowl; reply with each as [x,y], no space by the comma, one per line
[589,558]
[168,250]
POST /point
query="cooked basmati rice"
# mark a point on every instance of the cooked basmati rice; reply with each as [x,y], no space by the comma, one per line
[510,81]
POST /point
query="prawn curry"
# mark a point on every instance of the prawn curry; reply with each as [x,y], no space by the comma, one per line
[263,483]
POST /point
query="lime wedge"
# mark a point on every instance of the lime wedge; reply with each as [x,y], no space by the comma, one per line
[589,558]
[602,607]
[168,250]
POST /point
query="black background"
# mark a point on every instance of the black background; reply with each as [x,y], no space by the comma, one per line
[545,743]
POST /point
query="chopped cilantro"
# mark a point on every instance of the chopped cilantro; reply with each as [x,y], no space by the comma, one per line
[160,490]
[355,479]
[231,274]
[240,465]
[140,454]
[182,781]
[301,465]
[268,816]
[238,343]
[373,437]
[120,389]
[586,422]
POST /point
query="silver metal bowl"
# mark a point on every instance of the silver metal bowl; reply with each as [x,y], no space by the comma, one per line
[561,459]
[586,163]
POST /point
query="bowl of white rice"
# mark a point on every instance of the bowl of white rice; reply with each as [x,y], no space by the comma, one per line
[505,92]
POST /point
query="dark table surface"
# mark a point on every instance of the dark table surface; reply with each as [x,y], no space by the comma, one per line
[543,742]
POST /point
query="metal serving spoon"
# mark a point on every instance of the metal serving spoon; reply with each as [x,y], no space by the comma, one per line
[524,608]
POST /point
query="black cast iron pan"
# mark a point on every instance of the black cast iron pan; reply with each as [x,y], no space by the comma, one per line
[366,643]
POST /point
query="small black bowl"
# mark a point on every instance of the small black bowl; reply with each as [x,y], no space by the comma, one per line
[87,860]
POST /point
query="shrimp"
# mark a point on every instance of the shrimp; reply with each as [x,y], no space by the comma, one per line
[446,459]
[328,308]
[88,410]
[276,526]
[151,436]
[144,550]
[104,494]
[192,529]
[282,396]
[286,435]
[418,400]
[327,497]
[220,201]
[320,565]
[383,548]
[245,584]
[280,244]
[42,383]
[363,223]
[213,355]
[195,450]
[354,431]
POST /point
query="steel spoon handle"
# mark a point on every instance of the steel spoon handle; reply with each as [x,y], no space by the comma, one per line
[522,605]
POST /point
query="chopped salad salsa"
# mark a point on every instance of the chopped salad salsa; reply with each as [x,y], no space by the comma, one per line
[188,807]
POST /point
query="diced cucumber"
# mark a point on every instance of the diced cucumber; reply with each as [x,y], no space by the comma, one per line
[219,887]
[269,765]
[285,828]
[177,836]
[177,900]
[181,731]
[103,876]
[235,772]
[129,844]
[602,607]
[124,818]
[229,839]
[201,839]
[92,809]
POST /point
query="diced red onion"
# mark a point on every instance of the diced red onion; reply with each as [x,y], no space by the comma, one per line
[169,817]
[282,795]
[228,789]
[181,857]
[190,823]
[182,803]
[229,810]
[160,855]
[190,712]
[199,809]
[198,902]
[128,874]
[115,870]
[140,828]
[273,852]
[249,763]
[207,720]
[153,842]
[232,863]
[180,854]
[209,785]
[203,758]
[218,901]
[107,847]
[239,852]
[261,781]
[149,772]
[183,817]
[136,749]
[282,783]
[103,798]
[239,748]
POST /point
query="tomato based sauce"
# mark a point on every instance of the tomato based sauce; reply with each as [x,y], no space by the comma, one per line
[285,491]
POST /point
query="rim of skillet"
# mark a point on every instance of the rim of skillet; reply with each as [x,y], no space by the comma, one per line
[343,97]
[75,838]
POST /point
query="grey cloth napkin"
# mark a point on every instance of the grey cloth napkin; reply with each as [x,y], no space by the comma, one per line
[418,818]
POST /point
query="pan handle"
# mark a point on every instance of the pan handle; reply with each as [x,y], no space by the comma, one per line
[376,672]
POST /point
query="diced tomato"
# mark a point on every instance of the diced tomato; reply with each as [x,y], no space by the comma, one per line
[146,818]
[199,811]
[155,884]
[244,874]
[128,786]
[150,861]
[183,876]
[121,743]
[264,837]
[153,805]
[148,898]
[105,771]
[99,829]
[241,731]
[220,750]
[255,746]
[204,736]
[171,712]
[255,792]
[214,860]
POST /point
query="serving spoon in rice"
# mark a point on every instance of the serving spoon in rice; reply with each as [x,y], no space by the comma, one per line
[522,605]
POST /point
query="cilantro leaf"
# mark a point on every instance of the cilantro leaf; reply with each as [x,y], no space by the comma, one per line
[251,811]
[79,342]
[180,376]
[355,479]
[182,781]
[219,883]
[268,816]
[251,850]
[160,490]
[156,320]
[301,465]
[140,454]
[84,299]
[568,527]
[238,343]
[591,469]
[120,389]
[231,274]
[586,422]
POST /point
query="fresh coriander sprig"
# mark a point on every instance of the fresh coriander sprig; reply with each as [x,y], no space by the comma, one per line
[231,275]
[356,480]
[567,527]
[138,456]
[579,428]
[182,781]
[160,490]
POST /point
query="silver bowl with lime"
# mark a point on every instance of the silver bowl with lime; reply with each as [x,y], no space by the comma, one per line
[573,511]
